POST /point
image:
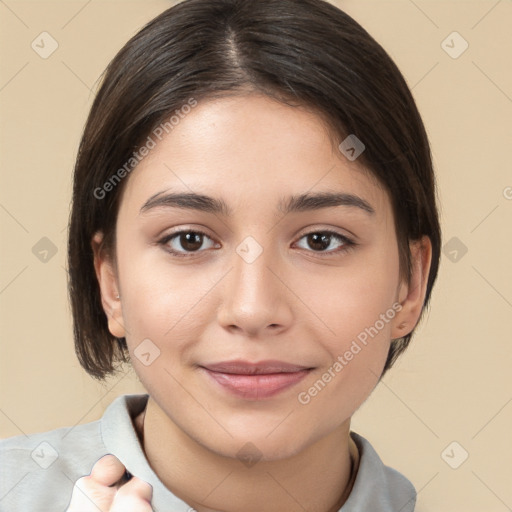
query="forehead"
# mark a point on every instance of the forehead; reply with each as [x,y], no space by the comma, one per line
[248,148]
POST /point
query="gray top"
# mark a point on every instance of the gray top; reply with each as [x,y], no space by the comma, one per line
[37,472]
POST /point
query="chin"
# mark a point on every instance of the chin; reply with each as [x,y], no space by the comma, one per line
[249,452]
[255,444]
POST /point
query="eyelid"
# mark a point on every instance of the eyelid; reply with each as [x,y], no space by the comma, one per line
[328,229]
[348,242]
[179,231]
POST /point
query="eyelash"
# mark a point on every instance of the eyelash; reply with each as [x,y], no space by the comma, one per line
[348,244]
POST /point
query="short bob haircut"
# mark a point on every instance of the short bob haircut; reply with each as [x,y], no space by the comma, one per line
[305,53]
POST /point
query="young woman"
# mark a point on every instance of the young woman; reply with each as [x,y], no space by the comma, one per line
[254,227]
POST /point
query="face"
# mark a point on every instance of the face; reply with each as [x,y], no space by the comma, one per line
[267,320]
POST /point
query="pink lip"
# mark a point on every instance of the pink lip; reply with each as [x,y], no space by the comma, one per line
[255,381]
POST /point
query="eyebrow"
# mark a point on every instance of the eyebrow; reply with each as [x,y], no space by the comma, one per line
[294,203]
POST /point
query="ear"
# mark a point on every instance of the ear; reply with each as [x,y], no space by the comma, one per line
[108,282]
[411,296]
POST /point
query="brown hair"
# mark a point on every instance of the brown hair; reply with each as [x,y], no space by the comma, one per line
[300,52]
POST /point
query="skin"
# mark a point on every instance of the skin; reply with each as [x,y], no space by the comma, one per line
[98,492]
[296,303]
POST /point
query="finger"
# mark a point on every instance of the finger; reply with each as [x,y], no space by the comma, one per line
[108,470]
[134,496]
[89,496]
[137,487]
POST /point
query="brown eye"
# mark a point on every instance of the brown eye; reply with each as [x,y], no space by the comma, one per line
[320,241]
[185,242]
[191,241]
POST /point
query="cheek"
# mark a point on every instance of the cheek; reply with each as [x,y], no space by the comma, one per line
[358,306]
[169,305]
[160,297]
[358,350]
[362,311]
[354,300]
[356,358]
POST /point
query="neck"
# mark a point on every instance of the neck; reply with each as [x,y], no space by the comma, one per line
[317,479]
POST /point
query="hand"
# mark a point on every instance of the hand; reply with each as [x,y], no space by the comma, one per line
[98,491]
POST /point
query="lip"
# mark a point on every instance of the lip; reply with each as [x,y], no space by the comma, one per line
[255,381]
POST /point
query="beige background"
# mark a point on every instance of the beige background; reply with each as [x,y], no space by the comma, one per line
[454,382]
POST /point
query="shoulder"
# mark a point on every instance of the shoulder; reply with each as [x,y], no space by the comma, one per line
[38,471]
[378,487]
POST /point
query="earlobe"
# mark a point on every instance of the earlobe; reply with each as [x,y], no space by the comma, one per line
[411,295]
[109,288]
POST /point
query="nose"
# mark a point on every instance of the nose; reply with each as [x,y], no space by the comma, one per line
[255,298]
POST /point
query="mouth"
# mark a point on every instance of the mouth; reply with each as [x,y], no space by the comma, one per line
[255,381]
